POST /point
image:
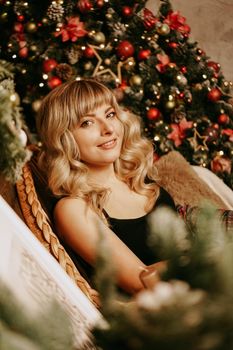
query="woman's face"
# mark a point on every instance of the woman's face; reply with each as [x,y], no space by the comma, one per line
[99,136]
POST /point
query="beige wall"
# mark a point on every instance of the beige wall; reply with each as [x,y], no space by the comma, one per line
[211,23]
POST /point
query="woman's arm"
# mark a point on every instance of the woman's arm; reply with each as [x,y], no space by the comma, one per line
[79,227]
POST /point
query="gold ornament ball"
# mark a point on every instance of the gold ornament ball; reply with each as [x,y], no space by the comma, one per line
[135,80]
[33,48]
[198,86]
[36,105]
[108,15]
[164,29]
[170,104]
[4,17]
[107,61]
[99,38]
[31,27]
[44,20]
[88,65]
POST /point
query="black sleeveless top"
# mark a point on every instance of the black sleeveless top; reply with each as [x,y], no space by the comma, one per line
[133,232]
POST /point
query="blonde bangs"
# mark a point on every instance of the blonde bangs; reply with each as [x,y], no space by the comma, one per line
[87,98]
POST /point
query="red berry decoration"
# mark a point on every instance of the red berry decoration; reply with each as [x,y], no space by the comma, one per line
[127,11]
[49,65]
[144,54]
[153,113]
[223,118]
[214,95]
[125,49]
[89,52]
[54,82]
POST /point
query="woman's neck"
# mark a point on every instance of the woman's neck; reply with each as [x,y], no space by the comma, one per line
[102,176]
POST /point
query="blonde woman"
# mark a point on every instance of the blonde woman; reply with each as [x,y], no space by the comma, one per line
[100,168]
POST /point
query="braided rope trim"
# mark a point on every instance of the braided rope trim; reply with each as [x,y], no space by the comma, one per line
[38,222]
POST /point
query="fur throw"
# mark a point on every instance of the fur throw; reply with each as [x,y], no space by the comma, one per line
[179,179]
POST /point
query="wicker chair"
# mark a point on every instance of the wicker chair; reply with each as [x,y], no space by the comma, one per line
[37,219]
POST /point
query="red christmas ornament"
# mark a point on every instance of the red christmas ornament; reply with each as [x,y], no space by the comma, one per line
[144,54]
[214,95]
[125,49]
[183,69]
[23,52]
[49,65]
[84,6]
[20,18]
[181,95]
[153,113]
[54,82]
[99,3]
[223,118]
[127,11]
[123,84]
[211,133]
[216,66]
[88,52]
[173,45]
[18,27]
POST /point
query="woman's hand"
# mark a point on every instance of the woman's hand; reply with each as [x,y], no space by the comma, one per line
[150,275]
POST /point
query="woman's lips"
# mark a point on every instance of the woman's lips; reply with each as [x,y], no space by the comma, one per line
[108,145]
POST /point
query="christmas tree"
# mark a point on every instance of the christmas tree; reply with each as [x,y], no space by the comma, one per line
[13,139]
[147,59]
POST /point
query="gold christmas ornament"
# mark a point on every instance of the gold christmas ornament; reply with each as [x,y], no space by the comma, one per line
[36,105]
[170,104]
[31,27]
[107,61]
[98,37]
[198,142]
[135,80]
[164,29]
[88,65]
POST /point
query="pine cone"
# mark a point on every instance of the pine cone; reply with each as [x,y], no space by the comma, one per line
[64,71]
[55,12]
[73,54]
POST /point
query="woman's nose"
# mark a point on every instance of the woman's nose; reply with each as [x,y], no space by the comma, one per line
[106,127]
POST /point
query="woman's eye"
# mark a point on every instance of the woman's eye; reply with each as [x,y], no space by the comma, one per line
[111,114]
[86,123]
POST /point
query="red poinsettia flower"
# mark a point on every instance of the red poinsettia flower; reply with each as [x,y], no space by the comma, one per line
[179,131]
[72,30]
[149,20]
[177,22]
[164,61]
[228,132]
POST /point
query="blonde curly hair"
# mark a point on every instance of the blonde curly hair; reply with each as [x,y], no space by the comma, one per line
[66,174]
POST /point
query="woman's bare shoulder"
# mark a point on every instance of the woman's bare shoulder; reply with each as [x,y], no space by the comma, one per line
[71,207]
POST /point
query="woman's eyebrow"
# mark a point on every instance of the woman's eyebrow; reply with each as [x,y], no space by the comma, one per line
[93,114]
